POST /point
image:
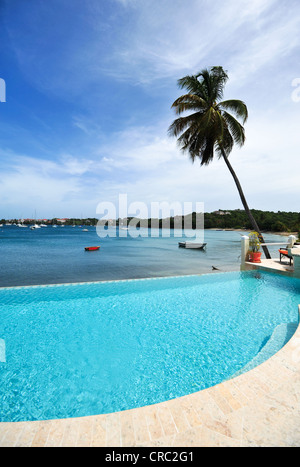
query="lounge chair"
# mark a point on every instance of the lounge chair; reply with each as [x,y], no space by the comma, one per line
[283,252]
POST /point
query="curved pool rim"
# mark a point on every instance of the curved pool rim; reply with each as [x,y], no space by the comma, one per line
[151,426]
[249,375]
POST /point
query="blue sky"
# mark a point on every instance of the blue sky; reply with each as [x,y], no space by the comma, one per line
[89,89]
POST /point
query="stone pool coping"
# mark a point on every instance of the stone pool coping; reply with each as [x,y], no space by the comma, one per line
[258,408]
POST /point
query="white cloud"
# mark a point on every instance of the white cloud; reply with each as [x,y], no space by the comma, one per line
[138,150]
[158,43]
[148,166]
[274,42]
[157,39]
[73,166]
[49,187]
[166,41]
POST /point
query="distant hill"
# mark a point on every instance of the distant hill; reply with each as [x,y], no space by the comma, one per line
[270,221]
[267,220]
[233,219]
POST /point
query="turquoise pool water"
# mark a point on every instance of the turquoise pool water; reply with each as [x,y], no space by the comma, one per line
[83,349]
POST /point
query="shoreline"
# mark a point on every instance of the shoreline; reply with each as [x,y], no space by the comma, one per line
[267,232]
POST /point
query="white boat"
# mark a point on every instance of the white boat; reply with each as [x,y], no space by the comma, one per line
[35,226]
[199,246]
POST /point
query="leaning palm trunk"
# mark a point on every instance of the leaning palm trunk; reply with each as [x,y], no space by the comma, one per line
[245,204]
[211,128]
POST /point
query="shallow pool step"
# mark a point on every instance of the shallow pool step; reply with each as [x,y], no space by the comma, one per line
[280,336]
[2,351]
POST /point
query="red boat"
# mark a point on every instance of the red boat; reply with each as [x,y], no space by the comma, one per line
[91,248]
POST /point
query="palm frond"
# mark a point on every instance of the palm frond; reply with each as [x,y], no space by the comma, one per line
[190,83]
[194,85]
[188,102]
[218,78]
[236,106]
[181,123]
[236,129]
[200,136]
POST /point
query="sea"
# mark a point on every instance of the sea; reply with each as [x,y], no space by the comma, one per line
[57,255]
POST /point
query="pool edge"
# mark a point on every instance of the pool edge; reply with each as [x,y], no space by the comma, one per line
[257,408]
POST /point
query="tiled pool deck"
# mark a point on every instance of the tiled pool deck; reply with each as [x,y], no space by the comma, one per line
[258,408]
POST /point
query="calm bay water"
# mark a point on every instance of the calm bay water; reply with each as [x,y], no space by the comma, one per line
[56,255]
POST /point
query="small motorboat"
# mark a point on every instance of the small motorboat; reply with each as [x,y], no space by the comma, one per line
[92,248]
[199,246]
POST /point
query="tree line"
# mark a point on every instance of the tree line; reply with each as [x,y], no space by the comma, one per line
[280,221]
[268,221]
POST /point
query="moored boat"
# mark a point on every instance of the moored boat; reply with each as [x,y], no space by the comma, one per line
[199,246]
[91,248]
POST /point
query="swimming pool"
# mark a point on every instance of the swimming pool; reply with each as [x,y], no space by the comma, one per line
[84,349]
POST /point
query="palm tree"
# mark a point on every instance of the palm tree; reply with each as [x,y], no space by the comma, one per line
[211,128]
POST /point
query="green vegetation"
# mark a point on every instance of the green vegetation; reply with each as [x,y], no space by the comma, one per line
[233,219]
[222,219]
[268,220]
[213,127]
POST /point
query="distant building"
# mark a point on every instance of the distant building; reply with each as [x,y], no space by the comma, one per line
[62,221]
[221,213]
